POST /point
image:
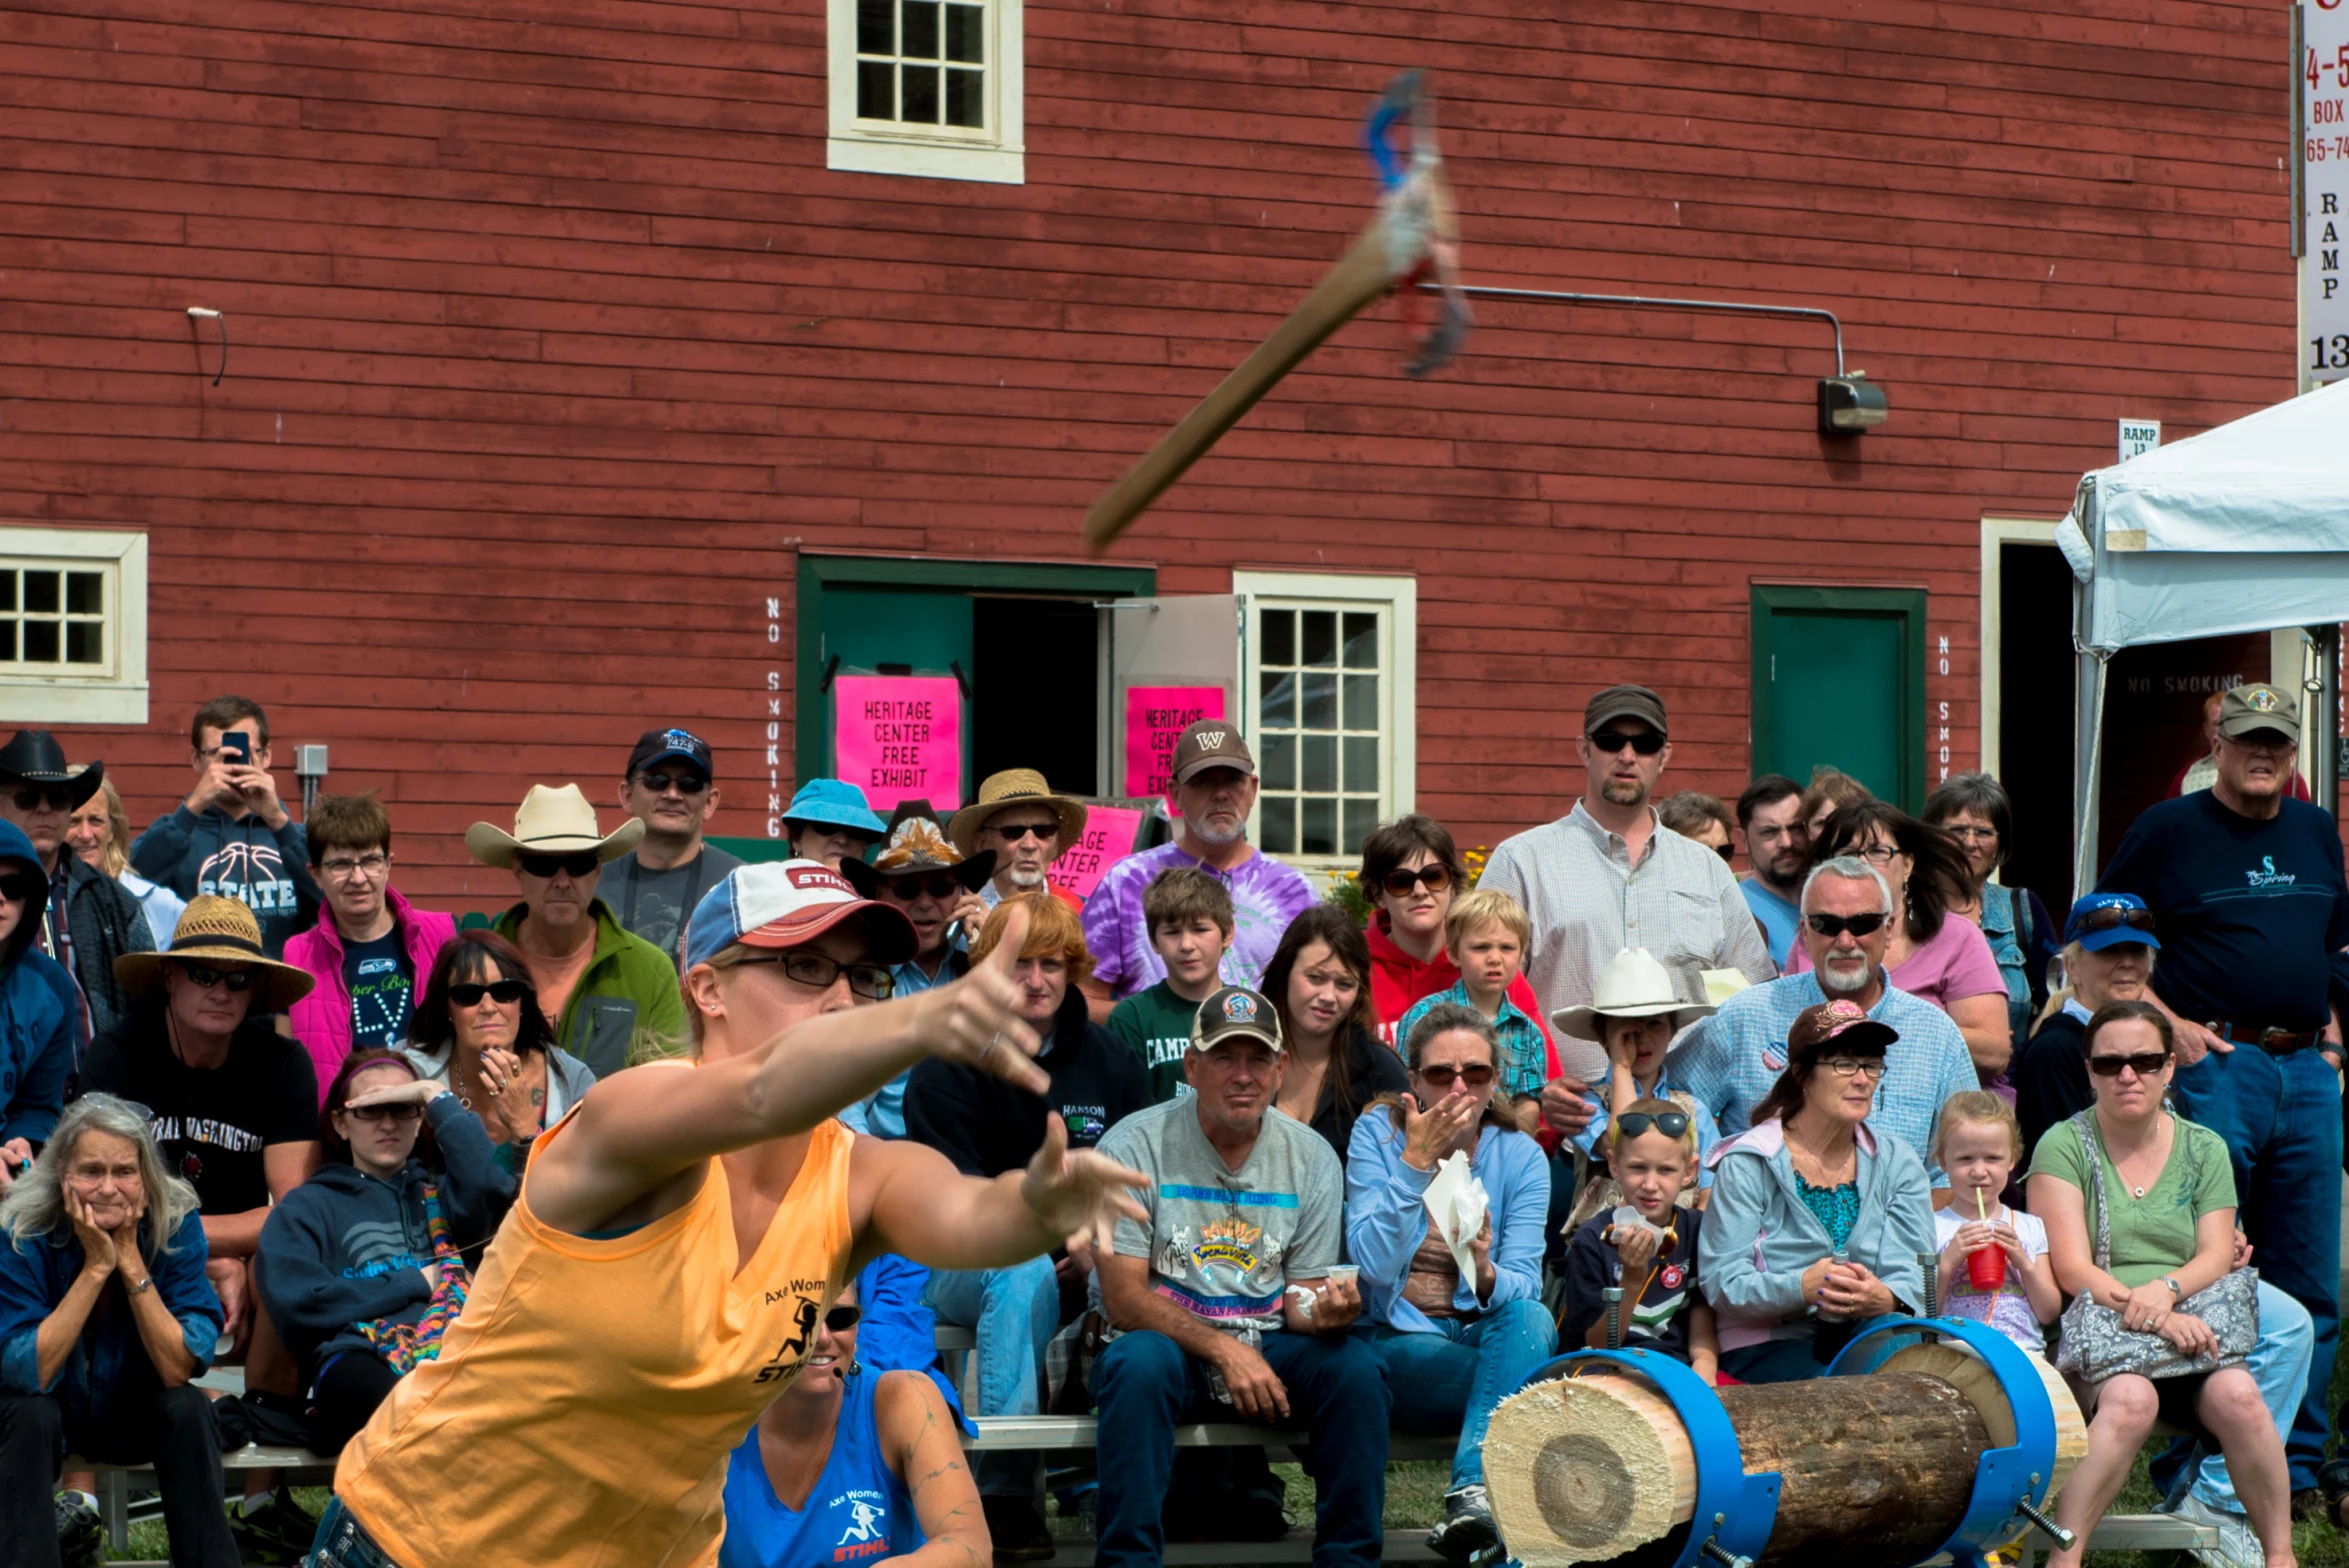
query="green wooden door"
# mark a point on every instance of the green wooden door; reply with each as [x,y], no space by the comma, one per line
[872,629]
[1839,679]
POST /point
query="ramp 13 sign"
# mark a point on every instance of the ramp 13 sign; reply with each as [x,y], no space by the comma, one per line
[2324,186]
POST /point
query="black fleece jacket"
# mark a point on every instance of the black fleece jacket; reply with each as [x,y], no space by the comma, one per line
[987,1127]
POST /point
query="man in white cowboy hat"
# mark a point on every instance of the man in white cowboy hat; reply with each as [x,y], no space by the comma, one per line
[598,981]
[1026,826]
[1633,1017]
[234,1110]
[89,919]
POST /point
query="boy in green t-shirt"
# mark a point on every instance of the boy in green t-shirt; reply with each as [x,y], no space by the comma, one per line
[1190,919]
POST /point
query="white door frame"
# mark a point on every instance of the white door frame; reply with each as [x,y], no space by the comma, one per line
[1996,533]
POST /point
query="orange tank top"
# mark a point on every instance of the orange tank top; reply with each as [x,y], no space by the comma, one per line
[584,1403]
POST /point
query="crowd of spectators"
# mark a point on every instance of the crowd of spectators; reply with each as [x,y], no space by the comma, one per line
[258,1107]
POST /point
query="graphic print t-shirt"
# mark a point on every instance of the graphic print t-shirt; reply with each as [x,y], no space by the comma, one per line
[1659,1319]
[1223,1244]
[382,983]
[1156,1025]
[212,1124]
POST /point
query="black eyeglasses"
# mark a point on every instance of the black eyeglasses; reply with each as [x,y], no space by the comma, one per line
[1854,1066]
[1441,1076]
[817,973]
[1013,832]
[1833,926]
[2107,919]
[19,887]
[468,993]
[1434,878]
[404,1112]
[1646,742]
[545,866]
[29,796]
[841,1319]
[682,783]
[204,977]
[1672,1124]
[2144,1064]
[905,889]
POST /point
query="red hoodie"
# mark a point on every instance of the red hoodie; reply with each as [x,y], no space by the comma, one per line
[1397,980]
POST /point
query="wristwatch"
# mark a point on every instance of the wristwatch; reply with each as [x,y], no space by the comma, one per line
[2175,1292]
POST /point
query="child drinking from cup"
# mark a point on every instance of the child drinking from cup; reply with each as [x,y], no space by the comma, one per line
[1648,1246]
[1994,1266]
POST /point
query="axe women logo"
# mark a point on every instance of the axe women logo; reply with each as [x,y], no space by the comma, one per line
[786,1362]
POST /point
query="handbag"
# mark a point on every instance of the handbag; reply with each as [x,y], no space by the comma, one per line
[403,1345]
[2097,1345]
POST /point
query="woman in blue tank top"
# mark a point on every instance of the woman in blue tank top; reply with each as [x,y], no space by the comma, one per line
[821,1479]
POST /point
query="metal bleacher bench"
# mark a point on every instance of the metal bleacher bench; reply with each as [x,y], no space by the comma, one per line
[2115,1532]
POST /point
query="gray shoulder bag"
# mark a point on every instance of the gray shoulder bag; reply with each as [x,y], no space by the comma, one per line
[2096,1345]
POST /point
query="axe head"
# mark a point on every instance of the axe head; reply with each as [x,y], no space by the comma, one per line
[1417,222]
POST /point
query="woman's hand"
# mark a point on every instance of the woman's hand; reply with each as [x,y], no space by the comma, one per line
[976,1020]
[1815,1280]
[1430,1134]
[16,1158]
[1078,1196]
[99,1253]
[502,1076]
[2188,1334]
[2147,1307]
[1851,1291]
[416,1091]
[1480,1253]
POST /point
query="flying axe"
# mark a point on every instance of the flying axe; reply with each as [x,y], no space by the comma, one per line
[1416,235]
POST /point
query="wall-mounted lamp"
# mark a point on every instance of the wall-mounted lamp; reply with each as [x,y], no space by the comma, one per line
[202,313]
[1850,404]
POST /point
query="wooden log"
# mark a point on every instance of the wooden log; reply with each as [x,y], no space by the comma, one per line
[1971,1376]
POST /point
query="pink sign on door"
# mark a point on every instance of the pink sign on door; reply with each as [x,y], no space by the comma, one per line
[899,737]
[1156,717]
[1108,839]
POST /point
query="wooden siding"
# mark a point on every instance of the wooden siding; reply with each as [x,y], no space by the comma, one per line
[552,339]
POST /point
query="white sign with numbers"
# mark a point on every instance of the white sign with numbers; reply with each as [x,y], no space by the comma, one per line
[2138,437]
[2324,185]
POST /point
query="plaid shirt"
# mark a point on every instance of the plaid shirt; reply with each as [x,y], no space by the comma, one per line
[1730,1060]
[1522,1056]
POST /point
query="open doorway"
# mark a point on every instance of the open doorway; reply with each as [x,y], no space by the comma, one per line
[1033,700]
[2036,702]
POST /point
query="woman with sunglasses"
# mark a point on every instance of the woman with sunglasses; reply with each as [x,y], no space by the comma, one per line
[1411,872]
[851,1456]
[2109,945]
[2166,1188]
[479,1030]
[1456,1334]
[1946,962]
[1817,1217]
[38,1007]
[1332,1065]
[359,1266]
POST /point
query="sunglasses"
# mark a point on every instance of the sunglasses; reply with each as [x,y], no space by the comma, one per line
[29,796]
[841,1319]
[1441,1076]
[19,887]
[2107,919]
[1647,742]
[905,889]
[204,977]
[1855,1066]
[2144,1064]
[545,866]
[817,973]
[1672,1124]
[1833,926]
[1400,883]
[1013,832]
[468,993]
[682,783]
[377,1113]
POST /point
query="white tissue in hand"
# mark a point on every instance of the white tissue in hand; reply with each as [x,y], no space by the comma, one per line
[1621,1224]
[1456,1203]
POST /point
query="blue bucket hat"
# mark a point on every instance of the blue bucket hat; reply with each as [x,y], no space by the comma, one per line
[2103,920]
[835,803]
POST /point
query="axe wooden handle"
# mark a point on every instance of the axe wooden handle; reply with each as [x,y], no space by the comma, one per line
[1347,289]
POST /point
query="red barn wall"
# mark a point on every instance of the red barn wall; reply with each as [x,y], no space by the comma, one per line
[552,339]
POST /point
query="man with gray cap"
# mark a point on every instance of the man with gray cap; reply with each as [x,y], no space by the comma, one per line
[1210,791]
[2248,891]
[1609,875]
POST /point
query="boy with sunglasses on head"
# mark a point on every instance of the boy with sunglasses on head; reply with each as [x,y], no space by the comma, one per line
[1190,916]
[1486,935]
[670,788]
[1650,1252]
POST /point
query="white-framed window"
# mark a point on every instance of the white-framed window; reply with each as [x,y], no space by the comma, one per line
[73,625]
[1330,673]
[927,87]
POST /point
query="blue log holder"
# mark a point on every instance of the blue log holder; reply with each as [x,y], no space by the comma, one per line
[1734,1511]
[2011,1485]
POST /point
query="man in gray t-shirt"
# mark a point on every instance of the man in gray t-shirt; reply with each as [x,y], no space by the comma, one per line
[652,890]
[1225,1306]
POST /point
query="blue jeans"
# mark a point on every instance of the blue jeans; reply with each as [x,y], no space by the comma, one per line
[2279,1365]
[1016,1312]
[342,1542]
[1144,1385]
[1452,1378]
[2281,1119]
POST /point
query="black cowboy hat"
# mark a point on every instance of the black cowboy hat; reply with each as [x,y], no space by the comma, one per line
[34,757]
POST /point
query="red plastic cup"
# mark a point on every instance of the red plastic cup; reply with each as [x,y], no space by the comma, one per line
[1986,1268]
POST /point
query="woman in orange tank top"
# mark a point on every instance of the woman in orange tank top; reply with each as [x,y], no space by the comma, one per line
[678,1236]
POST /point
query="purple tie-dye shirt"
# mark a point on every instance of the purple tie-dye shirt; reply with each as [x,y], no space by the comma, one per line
[1266,896]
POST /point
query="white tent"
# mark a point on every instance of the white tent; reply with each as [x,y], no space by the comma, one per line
[2240,529]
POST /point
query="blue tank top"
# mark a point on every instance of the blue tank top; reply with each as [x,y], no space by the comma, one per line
[859,1511]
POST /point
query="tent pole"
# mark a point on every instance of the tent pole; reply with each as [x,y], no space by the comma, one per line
[2324,724]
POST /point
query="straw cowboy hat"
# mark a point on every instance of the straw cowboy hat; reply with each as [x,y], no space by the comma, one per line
[34,757]
[1015,787]
[1633,985]
[551,822]
[917,842]
[223,930]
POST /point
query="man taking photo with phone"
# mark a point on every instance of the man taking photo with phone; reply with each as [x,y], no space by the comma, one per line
[232,836]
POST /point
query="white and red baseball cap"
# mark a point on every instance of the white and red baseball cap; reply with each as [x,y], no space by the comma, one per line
[783,903]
